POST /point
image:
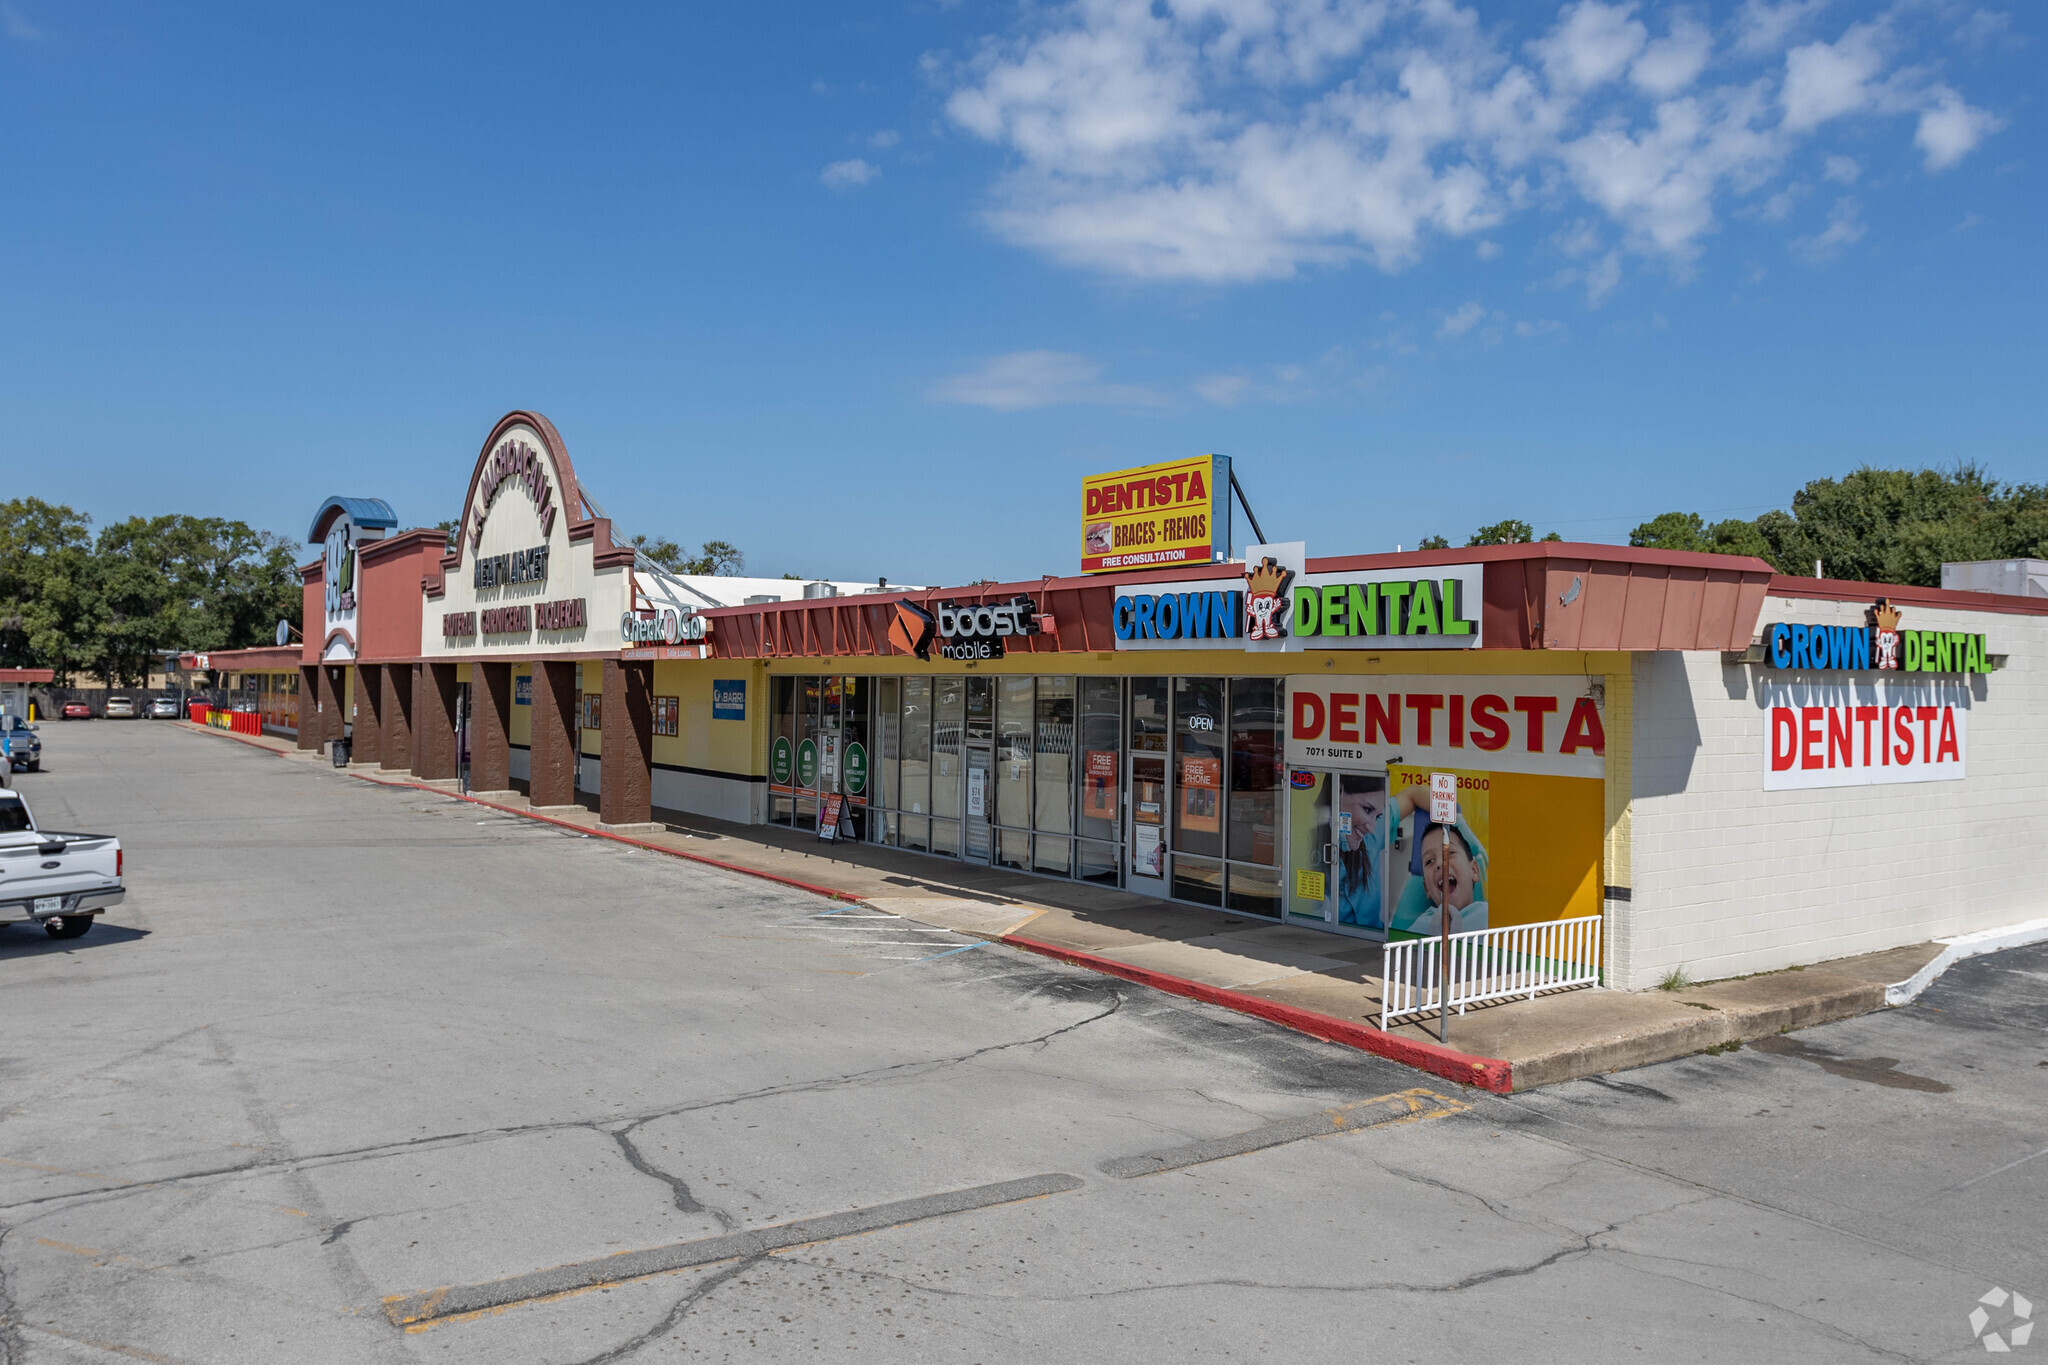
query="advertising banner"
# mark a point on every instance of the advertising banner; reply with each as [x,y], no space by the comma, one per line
[1427,866]
[1172,513]
[1862,733]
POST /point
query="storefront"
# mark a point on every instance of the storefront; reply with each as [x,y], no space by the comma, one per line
[1722,768]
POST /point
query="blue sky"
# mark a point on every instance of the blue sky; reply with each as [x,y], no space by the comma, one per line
[867,289]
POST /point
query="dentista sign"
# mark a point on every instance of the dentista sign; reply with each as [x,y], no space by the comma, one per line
[1864,734]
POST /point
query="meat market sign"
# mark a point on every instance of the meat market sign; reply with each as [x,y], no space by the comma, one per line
[514,461]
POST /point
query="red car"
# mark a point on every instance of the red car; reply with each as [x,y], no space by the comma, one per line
[77,710]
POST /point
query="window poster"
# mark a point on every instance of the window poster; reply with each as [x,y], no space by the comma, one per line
[1098,784]
[666,715]
[1526,849]
[1201,791]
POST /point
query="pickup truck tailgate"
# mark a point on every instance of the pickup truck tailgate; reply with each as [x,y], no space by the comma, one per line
[45,863]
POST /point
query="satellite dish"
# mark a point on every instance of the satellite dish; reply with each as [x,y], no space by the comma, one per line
[284,632]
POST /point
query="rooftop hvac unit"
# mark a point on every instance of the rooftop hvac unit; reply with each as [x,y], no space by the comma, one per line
[758,598]
[820,590]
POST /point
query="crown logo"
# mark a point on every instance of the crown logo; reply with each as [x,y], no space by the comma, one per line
[1266,579]
[1886,615]
[1263,605]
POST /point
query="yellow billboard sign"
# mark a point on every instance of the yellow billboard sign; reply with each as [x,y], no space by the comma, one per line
[1172,513]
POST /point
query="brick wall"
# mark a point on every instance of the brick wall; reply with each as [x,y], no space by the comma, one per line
[1730,879]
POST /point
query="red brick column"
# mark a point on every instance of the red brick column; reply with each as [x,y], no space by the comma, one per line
[626,792]
[310,719]
[433,718]
[369,736]
[397,714]
[555,735]
[490,744]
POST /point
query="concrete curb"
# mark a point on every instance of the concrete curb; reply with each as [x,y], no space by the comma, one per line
[1487,1073]
[1955,949]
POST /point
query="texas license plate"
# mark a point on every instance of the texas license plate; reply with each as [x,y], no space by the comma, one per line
[49,905]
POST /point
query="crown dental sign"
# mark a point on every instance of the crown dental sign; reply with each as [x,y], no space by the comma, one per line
[1274,607]
[1879,646]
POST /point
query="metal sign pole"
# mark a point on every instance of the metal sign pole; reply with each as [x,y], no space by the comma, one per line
[1443,813]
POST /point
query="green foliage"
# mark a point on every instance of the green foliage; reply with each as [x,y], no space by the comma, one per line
[719,557]
[1876,525]
[1509,532]
[1433,543]
[109,605]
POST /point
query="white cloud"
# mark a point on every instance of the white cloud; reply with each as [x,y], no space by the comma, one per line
[1827,80]
[885,139]
[1949,128]
[1843,170]
[1456,324]
[1487,251]
[1234,140]
[1675,61]
[1538,327]
[1041,379]
[846,175]
[1224,390]
[1845,228]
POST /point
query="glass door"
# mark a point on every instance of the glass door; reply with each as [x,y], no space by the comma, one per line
[1147,785]
[1336,838]
[977,834]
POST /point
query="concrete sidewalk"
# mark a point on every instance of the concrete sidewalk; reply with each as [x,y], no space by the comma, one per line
[1320,983]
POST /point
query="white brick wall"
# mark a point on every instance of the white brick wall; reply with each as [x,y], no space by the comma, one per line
[1730,879]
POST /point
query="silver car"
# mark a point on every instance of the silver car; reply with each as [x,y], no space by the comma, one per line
[120,708]
[162,708]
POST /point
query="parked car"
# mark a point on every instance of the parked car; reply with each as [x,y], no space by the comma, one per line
[120,708]
[77,710]
[60,881]
[24,749]
[162,708]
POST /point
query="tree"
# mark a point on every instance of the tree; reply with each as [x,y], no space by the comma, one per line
[146,585]
[1509,532]
[1877,525]
[720,557]
[1433,543]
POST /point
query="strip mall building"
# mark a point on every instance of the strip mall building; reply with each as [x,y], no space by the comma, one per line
[1734,770]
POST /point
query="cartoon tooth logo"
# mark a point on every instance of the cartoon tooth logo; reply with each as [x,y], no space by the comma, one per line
[1884,635]
[1265,600]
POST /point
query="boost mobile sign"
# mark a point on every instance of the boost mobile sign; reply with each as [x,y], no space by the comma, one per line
[1273,605]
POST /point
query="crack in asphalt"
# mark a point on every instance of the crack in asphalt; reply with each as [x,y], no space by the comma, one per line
[686,1202]
[604,1125]
[676,1313]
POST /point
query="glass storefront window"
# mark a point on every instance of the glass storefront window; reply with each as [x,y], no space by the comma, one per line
[1053,745]
[916,795]
[1254,890]
[1255,758]
[807,701]
[888,742]
[1096,862]
[782,726]
[1198,732]
[856,761]
[1014,707]
[1197,879]
[1101,746]
[1052,855]
[949,719]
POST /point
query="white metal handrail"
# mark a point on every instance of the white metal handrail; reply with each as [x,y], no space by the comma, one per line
[1520,960]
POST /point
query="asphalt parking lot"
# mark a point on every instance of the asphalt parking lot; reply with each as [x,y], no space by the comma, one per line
[363,1073]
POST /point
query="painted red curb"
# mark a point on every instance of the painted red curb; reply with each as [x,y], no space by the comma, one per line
[1487,1073]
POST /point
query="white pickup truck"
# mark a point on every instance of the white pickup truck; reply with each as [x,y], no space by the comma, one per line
[60,881]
